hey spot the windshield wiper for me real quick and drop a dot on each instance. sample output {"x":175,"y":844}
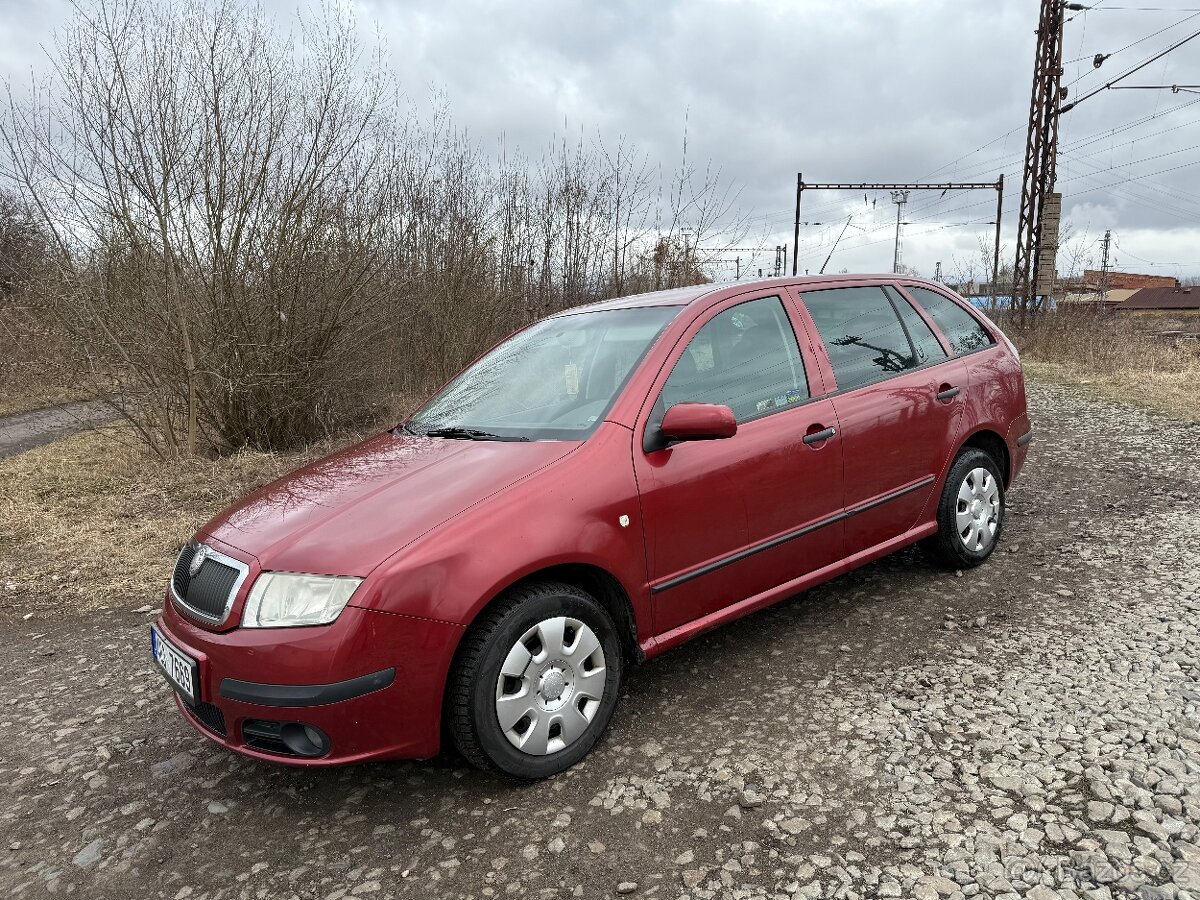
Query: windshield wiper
{"x":469,"y":434}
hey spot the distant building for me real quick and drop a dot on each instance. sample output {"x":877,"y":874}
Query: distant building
{"x":1109,"y":298}
{"x":1092,"y":279}
{"x":1177,"y":298}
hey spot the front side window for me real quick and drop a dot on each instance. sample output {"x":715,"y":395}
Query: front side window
{"x":553,"y":381}
{"x":863,"y":335}
{"x":746,"y":358}
{"x":962,"y":330}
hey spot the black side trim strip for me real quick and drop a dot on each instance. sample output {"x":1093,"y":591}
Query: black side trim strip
{"x":879,"y":501}
{"x":305,"y":694}
{"x":790,"y":536}
{"x":1025,"y":438}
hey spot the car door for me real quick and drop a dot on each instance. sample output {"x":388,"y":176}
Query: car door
{"x":728,"y":519}
{"x":899,"y":402}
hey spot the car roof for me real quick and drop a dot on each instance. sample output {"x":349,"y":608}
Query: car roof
{"x":685,"y":296}
{"x":673,"y":297}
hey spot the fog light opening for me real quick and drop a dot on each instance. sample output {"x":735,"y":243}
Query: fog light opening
{"x":304,"y":740}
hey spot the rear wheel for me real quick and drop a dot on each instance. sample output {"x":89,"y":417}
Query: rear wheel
{"x":536,"y":682}
{"x":970,"y":513}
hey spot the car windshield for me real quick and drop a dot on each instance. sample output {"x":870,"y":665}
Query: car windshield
{"x":553,"y":381}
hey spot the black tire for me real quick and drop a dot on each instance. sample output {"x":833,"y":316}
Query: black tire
{"x":947,"y":548}
{"x":471,"y":697}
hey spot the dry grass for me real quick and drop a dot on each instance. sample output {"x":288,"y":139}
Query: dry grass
{"x":18,"y":398}
{"x":92,"y":522}
{"x":1118,"y":359}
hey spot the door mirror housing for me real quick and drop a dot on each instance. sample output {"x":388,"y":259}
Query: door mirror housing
{"x":697,"y":422}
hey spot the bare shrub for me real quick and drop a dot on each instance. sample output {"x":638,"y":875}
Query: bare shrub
{"x":217,"y":197}
{"x":251,"y":244}
{"x":1096,"y":345}
{"x":488,"y":245}
{"x":32,"y":373}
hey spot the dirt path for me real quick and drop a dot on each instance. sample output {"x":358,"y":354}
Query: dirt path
{"x":1030,"y":728}
{"x":24,"y":431}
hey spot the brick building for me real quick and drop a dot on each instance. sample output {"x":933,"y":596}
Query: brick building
{"x":1127,"y":281}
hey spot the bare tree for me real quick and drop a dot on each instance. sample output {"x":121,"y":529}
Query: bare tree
{"x":217,"y":195}
{"x":249,"y":242}
{"x":23,"y":246}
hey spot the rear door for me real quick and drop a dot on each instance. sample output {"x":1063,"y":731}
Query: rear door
{"x":899,"y":401}
{"x":728,"y":519}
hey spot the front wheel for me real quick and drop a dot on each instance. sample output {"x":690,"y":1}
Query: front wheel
{"x":536,"y":681}
{"x":970,"y":514}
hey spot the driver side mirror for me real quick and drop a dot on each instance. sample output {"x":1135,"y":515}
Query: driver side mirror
{"x":697,"y":422}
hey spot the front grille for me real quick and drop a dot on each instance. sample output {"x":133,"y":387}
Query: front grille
{"x":209,"y":716}
{"x":180,"y":577}
{"x":209,"y":590}
{"x":208,"y":593}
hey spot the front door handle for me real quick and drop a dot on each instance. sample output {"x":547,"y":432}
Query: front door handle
{"x":815,"y":437}
{"x":948,"y":393}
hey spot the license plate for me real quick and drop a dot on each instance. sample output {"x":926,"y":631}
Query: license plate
{"x":181,"y":670}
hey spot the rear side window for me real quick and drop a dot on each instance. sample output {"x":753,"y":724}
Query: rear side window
{"x":862,"y":334}
{"x":961,"y":329}
{"x":746,"y":358}
{"x":924,"y":341}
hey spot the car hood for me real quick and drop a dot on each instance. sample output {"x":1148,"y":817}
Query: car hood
{"x":347,"y":513}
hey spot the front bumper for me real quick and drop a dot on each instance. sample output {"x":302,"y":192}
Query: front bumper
{"x":372,"y":682}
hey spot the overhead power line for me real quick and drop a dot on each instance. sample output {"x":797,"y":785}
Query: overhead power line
{"x":1173,"y":88}
{"x":1140,"y":9}
{"x":1101,"y":57}
{"x":838,"y":207}
{"x":1122,"y":77}
{"x":1004,"y":162}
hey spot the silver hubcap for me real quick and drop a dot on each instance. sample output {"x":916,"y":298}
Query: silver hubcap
{"x":550,"y":686}
{"x":978,"y":512}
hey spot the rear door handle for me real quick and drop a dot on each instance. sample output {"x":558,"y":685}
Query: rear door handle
{"x":817,"y":436}
{"x":948,"y":393}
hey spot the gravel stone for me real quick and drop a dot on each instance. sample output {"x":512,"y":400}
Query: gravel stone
{"x":89,"y":855}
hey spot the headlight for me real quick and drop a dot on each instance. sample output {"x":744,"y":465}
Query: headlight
{"x":281,"y":598}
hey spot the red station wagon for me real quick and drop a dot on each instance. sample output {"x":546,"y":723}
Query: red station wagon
{"x":595,"y":490}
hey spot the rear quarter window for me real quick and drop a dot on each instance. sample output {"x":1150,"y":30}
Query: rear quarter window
{"x":964,"y":332}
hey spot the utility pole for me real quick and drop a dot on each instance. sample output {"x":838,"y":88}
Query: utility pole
{"x":1105,"y":243}
{"x":1033,"y":269}
{"x":796,"y":239}
{"x":937,"y":271}
{"x":899,"y":198}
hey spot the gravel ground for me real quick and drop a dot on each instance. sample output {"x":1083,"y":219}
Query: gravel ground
{"x":1030,"y":728}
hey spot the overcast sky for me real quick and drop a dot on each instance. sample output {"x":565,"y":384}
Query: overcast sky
{"x":842,"y":90}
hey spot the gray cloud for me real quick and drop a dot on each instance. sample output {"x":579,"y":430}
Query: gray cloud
{"x":864,"y":90}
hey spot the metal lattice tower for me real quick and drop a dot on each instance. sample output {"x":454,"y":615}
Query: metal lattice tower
{"x":1041,"y":147}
